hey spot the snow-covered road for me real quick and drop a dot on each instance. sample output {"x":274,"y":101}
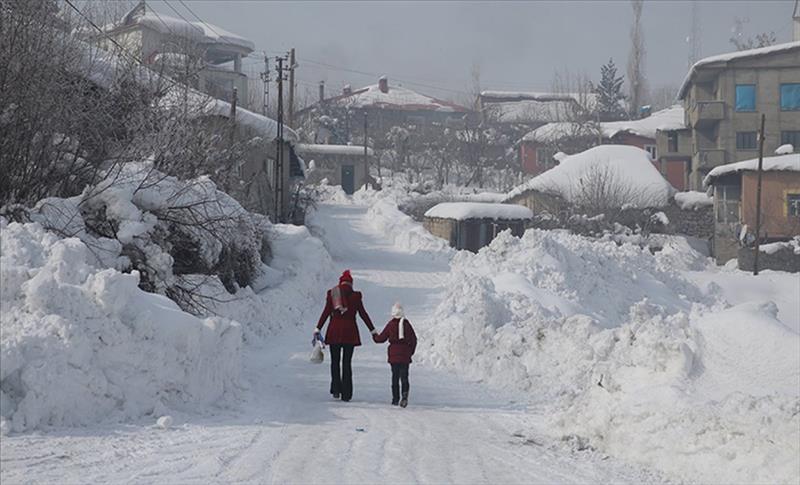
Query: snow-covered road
{"x":287,"y":429}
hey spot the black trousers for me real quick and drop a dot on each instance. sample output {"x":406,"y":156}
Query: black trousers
{"x":399,"y":376}
{"x":342,"y":380}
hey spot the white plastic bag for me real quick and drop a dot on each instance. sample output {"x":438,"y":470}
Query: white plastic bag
{"x":317,"y":355}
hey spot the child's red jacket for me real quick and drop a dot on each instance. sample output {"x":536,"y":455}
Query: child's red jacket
{"x":400,"y":351}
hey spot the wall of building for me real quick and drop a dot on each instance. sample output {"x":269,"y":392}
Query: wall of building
{"x":782,"y":260}
{"x":775,"y":220}
{"x":330,"y":167}
{"x":767,"y":73}
{"x":443,"y":228}
{"x":539,"y":202}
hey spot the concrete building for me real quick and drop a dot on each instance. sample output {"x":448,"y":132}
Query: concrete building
{"x":343,"y":165}
{"x":724,"y":97}
{"x":473,"y":225}
{"x":735,"y":187}
{"x":202,"y":55}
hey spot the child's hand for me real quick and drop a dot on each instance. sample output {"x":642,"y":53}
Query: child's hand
{"x":375,"y":338}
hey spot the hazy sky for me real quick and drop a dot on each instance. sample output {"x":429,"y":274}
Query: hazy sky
{"x":518,"y":45}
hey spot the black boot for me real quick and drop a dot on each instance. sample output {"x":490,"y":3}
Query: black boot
{"x":404,"y":401}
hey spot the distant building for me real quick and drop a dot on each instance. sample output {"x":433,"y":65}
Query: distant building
{"x":796,"y":19}
{"x":537,"y":147}
{"x":734,"y":188}
{"x":343,"y":165}
{"x":340,"y":119}
{"x":202,"y":55}
{"x":724,"y":97}
{"x":473,"y":225}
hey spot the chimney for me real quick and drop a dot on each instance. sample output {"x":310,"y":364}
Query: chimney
{"x":321,"y":91}
{"x":383,"y":84}
{"x":347,"y":90}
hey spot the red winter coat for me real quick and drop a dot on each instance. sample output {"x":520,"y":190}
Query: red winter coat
{"x":342,"y":329}
{"x":400,"y":351}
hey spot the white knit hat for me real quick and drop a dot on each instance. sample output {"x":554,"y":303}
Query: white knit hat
{"x":397,"y":310}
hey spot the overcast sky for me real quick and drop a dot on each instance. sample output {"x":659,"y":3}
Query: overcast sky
{"x":518,"y":45}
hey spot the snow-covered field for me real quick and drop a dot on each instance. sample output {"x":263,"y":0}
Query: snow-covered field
{"x":547,"y":359}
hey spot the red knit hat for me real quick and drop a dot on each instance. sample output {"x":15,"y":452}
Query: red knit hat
{"x":346,"y":277}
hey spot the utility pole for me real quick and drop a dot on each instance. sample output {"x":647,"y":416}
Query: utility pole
{"x":233,"y":115}
{"x":758,"y":194}
{"x":265,"y":79}
{"x":292,"y":65}
{"x":366,"y":156}
{"x":279,"y":162}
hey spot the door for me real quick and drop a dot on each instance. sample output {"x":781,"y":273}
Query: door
{"x":348,"y":179}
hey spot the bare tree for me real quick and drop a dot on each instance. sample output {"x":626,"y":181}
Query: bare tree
{"x":742,"y":42}
{"x":636,"y":57}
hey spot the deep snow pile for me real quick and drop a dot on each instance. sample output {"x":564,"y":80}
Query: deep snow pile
{"x":626,"y":354}
{"x":81,"y":343}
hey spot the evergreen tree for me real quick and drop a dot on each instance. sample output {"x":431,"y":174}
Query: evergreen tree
{"x":609,"y":93}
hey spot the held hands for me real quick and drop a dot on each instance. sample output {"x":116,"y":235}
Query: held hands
{"x":375,"y":335}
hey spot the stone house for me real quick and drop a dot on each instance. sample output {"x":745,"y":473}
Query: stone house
{"x":734,"y":187}
{"x":473,"y":225}
{"x":724,"y":97}
{"x":343,"y":165}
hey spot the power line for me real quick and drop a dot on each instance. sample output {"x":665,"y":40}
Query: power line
{"x":105,"y":34}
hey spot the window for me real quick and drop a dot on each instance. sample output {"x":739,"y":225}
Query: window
{"x":793,"y":204}
{"x":672,"y":142}
{"x":746,"y":140}
{"x":791,"y":137}
{"x":651,"y":149}
{"x":544,"y":157}
{"x":727,"y":203}
{"x":745,"y":97}
{"x":790,"y":97}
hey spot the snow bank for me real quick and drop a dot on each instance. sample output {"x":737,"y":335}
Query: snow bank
{"x":772,"y":248}
{"x":790,"y":162}
{"x":626,"y":354}
{"x":478,"y":210}
{"x":81,"y":343}
{"x":692,"y":200}
{"x":611,"y":169}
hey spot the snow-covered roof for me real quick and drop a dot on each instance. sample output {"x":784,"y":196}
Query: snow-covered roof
{"x":200,"y":32}
{"x":789,"y":163}
{"x":733,"y":56}
{"x":671,"y":118}
{"x":530,"y":111}
{"x":693,"y":200}
{"x":353,"y":150}
{"x":397,"y":97}
{"x":508,"y":96}
{"x":629,"y":166}
{"x":460,"y":211}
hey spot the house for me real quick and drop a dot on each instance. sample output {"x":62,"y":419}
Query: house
{"x":724,"y":97}
{"x":734,"y":187}
{"x":200,"y":54}
{"x":473,"y":225}
{"x":601,"y":178}
{"x":537,"y":147}
{"x":340,"y":119}
{"x":344,"y":165}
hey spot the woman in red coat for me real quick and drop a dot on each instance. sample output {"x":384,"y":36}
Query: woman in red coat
{"x":402,"y":344}
{"x":341,"y":305}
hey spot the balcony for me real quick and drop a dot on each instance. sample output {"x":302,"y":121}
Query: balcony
{"x":709,"y":158}
{"x":705,"y":113}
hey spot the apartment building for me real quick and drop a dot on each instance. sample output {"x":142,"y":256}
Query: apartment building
{"x":724,"y":97}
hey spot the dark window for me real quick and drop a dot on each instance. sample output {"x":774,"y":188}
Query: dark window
{"x":651,"y":149}
{"x":745,"y":97}
{"x":746,"y":140}
{"x":672,"y":142}
{"x":790,"y":97}
{"x":793,"y":202}
{"x":791,"y":137}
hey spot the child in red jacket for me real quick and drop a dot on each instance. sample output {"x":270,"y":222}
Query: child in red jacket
{"x":402,"y":343}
